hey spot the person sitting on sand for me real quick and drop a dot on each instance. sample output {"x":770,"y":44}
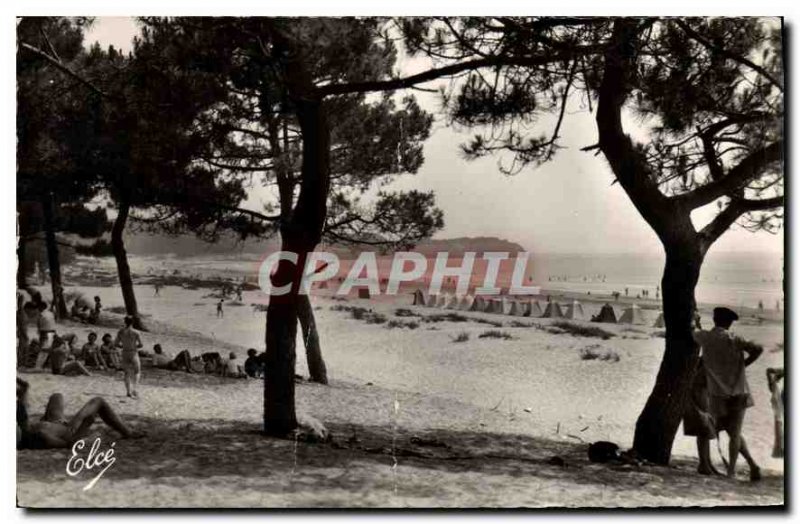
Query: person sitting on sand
{"x":253,"y":365}
{"x":213,"y":362}
{"x":129,"y":340}
{"x":54,"y":430}
{"x":110,"y":353}
{"x":62,"y":362}
{"x":71,"y":340}
{"x":91,"y":353}
{"x":724,"y":362}
{"x":231,"y":368}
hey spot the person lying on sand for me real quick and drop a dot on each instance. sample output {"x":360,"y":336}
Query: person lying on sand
{"x":724,"y":362}
{"x":54,"y":430}
{"x":183,"y":361}
{"x":91,"y":353}
{"x":129,"y":340}
{"x":64,"y":363}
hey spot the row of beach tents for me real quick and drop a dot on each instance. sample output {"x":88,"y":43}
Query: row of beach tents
{"x":572,"y":310}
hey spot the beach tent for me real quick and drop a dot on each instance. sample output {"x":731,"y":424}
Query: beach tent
{"x":466,"y":303}
{"x":441,"y":300}
{"x":553,"y":310}
{"x":606,"y":315}
{"x":632,"y":315}
{"x":363,"y":292}
{"x":478,"y":304}
{"x":452,"y":302}
{"x":495,"y":305}
{"x":505,"y":306}
{"x":431,"y":300}
{"x":535,"y":309}
{"x":574,"y":311}
{"x":517,"y":308}
{"x":419,"y":298}
{"x":659,"y":323}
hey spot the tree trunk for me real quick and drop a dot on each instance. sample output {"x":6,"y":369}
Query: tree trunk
{"x":300,"y":234}
{"x":316,"y":365}
{"x":662,"y":414}
{"x":286,"y":185}
{"x":53,"y":262}
{"x":22,"y":282}
{"x":123,"y":269}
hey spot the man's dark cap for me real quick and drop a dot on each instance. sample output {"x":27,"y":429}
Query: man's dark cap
{"x":725,"y":314}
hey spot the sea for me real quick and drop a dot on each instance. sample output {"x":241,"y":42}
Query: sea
{"x":733,"y":279}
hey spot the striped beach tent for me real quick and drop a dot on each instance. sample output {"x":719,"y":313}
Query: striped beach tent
{"x":553,"y":310}
{"x":465,"y":304}
{"x":431,"y":300}
{"x":517,"y":308}
{"x":441,"y":300}
{"x":535,"y":309}
{"x":632,"y":314}
{"x":574,"y":311}
{"x":452,"y":302}
{"x":478,"y":304}
{"x":419,"y":298}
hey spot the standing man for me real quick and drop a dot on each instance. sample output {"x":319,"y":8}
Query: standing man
{"x":220,"y":313}
{"x":130,"y":342}
{"x":724,"y":362}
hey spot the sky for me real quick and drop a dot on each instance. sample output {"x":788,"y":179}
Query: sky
{"x":568,"y":205}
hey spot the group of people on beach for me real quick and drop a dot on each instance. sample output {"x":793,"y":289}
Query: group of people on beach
{"x":62,"y":354}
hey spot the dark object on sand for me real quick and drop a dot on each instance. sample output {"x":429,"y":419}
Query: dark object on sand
{"x":603,"y":451}
{"x":557,"y":460}
{"x":606,"y":314}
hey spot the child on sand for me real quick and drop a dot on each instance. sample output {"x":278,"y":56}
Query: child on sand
{"x":129,"y":340}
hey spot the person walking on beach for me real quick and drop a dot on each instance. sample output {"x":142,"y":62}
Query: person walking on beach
{"x":724,"y":362}
{"x":130,"y":342}
{"x":220,"y":313}
{"x":157,"y":289}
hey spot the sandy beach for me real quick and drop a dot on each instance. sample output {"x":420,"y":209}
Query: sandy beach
{"x":418,"y":419}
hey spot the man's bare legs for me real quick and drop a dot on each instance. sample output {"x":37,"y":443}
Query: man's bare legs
{"x":704,"y":454}
{"x":131,"y":381}
{"x":82,"y":421}
{"x":737,"y":445}
{"x":54,"y":412}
